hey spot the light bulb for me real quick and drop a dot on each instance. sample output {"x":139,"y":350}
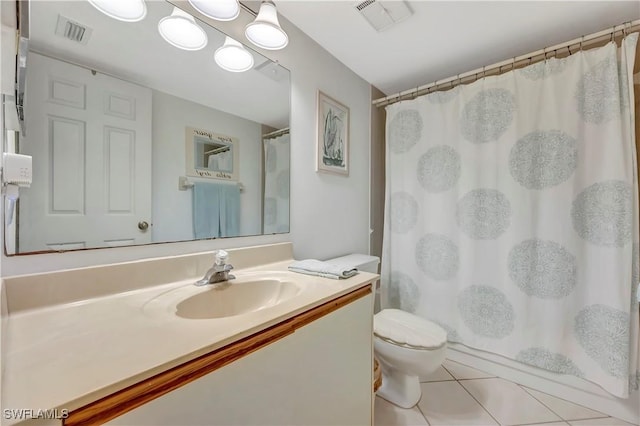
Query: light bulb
{"x":265,"y":30}
{"x":221,"y":10}
{"x":232,"y":56}
{"x":122,"y":10}
{"x":180,"y":30}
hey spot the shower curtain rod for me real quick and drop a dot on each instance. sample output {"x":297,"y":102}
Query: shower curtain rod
{"x":626,"y":28}
{"x":276,"y":133}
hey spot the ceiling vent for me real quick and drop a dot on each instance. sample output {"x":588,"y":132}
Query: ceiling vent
{"x":272,"y":70}
{"x":381,"y":15}
{"x":72,"y":30}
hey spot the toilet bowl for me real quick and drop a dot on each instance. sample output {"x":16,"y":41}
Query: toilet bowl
{"x":408,"y":347}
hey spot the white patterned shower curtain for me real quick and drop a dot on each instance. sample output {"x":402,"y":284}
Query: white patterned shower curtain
{"x":276,"y":185}
{"x":511,"y":215}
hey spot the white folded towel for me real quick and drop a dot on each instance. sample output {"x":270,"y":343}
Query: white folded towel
{"x":322,"y":269}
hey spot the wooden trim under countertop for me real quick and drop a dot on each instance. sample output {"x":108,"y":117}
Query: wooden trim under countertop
{"x":120,"y":402}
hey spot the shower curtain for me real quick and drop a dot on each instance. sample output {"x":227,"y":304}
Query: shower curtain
{"x":276,"y":185}
{"x":511,"y":215}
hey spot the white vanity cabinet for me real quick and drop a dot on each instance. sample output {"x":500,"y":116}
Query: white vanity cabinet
{"x":320,"y":374}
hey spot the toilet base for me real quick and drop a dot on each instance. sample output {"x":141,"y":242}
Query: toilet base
{"x":399,"y":388}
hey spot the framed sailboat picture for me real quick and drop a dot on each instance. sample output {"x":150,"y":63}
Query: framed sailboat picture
{"x":333,"y":136}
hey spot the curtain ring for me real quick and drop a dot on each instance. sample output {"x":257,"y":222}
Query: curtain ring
{"x":581,"y":41}
{"x":569,"y":49}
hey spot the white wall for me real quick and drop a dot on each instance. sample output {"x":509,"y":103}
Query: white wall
{"x":172,"y":209}
{"x":7,"y":64}
{"x":7,"y":47}
{"x":329,"y":213}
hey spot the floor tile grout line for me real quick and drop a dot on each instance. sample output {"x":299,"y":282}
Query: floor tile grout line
{"x":449,"y":372}
{"x":420,"y":410}
{"x":479,"y":378}
{"x":479,"y":403}
{"x":543,"y":404}
{"x":524,"y":388}
{"x":439,"y":381}
{"x":466,"y":366}
{"x":543,"y":423}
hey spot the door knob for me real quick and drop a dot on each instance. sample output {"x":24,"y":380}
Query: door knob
{"x":143,"y":226}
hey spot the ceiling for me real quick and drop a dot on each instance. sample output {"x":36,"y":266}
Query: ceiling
{"x":137,"y":53}
{"x":445,"y":38}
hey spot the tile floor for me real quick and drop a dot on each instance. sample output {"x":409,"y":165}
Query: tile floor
{"x":461,"y":395}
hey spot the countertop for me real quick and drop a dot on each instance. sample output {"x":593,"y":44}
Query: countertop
{"x":66,"y":356}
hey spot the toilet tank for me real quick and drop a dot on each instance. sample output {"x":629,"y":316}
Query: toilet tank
{"x":363,"y":262}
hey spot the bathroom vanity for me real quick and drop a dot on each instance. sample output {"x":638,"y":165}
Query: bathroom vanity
{"x":138,"y":343}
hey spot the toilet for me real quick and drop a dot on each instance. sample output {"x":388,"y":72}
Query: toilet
{"x":407,"y":346}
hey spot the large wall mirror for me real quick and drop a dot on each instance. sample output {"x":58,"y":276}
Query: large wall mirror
{"x":135,"y":141}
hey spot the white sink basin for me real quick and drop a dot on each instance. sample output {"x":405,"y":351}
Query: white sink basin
{"x":236,"y":298}
{"x":247,"y":293}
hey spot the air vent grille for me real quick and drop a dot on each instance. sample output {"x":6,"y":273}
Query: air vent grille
{"x":272,"y":70}
{"x":364,"y":4}
{"x":383,"y":14}
{"x":72,"y":30}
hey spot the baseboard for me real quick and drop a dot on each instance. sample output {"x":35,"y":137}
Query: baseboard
{"x":569,"y":388}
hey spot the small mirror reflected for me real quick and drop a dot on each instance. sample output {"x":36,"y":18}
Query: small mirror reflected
{"x":214,"y":157}
{"x":210,"y":155}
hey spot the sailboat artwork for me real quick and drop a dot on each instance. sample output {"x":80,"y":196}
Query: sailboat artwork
{"x":333,"y":135}
{"x":333,"y":143}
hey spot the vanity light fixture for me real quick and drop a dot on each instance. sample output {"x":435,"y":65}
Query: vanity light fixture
{"x":127,"y":11}
{"x":265,"y":30}
{"x":221,"y":10}
{"x":180,"y":30}
{"x":232,"y":56}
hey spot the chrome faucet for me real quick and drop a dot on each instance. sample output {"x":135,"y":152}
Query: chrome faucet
{"x":219,"y":272}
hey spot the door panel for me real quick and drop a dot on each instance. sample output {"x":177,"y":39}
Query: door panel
{"x":90,"y":138}
{"x":119,"y":157}
{"x":67,"y":147}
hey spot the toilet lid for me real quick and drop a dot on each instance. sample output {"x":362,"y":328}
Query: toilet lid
{"x":405,"y":329}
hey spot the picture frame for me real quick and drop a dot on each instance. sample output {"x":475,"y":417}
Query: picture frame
{"x":211,"y":155}
{"x":332,"y":141}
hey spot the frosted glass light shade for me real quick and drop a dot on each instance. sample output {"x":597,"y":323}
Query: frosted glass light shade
{"x":232,"y":56}
{"x":180,"y":30}
{"x":122,"y":10}
{"x":265,"y":31}
{"x":221,"y":10}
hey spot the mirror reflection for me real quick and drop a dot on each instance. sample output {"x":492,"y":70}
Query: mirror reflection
{"x":136,"y":141}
